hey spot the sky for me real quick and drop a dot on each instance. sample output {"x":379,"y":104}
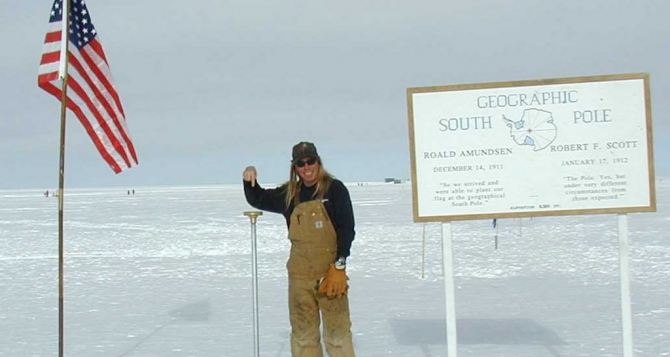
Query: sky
{"x":217,"y":85}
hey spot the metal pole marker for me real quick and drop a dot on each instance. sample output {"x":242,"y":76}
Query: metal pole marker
{"x":253,"y":215}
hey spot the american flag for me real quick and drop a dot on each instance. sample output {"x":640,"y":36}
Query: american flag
{"x":91,"y":95}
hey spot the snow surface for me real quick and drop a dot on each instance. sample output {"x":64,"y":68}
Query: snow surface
{"x":167,"y":272}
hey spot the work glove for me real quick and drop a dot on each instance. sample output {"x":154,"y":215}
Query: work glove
{"x":334,"y":284}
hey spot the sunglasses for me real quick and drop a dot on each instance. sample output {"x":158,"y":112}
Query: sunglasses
{"x":310,"y":161}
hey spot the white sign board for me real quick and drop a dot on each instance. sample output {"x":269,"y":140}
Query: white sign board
{"x":532,"y":148}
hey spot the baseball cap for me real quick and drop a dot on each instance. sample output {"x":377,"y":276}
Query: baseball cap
{"x":304,"y":149}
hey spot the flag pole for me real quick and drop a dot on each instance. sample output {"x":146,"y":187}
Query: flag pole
{"x":64,"y":58}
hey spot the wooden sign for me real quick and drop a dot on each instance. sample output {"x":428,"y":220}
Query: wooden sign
{"x":532,"y":148}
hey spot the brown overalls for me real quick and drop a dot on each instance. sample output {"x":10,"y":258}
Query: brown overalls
{"x":313,"y":249}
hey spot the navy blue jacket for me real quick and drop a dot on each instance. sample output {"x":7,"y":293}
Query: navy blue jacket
{"x":336,"y":201}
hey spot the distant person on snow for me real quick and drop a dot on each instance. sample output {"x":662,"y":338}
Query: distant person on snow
{"x":320,"y":219}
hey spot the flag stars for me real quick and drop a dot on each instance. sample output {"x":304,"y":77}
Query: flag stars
{"x":81,"y":28}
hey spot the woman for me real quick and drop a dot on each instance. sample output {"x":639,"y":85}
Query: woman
{"x":320,"y":219}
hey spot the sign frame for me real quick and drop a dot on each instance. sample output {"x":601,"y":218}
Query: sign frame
{"x":413,"y":137}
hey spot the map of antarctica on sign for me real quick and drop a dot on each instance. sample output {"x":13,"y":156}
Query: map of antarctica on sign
{"x":535,"y":128}
{"x":530,"y":148}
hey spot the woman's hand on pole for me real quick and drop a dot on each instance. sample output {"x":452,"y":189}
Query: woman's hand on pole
{"x":249,"y":175}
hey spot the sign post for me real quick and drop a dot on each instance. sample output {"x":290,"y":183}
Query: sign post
{"x":566,"y":146}
{"x":624,"y":273}
{"x":449,"y":290}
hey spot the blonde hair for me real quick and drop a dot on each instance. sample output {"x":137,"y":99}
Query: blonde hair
{"x":323,"y":179}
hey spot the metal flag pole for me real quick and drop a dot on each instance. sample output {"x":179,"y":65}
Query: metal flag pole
{"x":253,"y":215}
{"x":63,"y":66}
